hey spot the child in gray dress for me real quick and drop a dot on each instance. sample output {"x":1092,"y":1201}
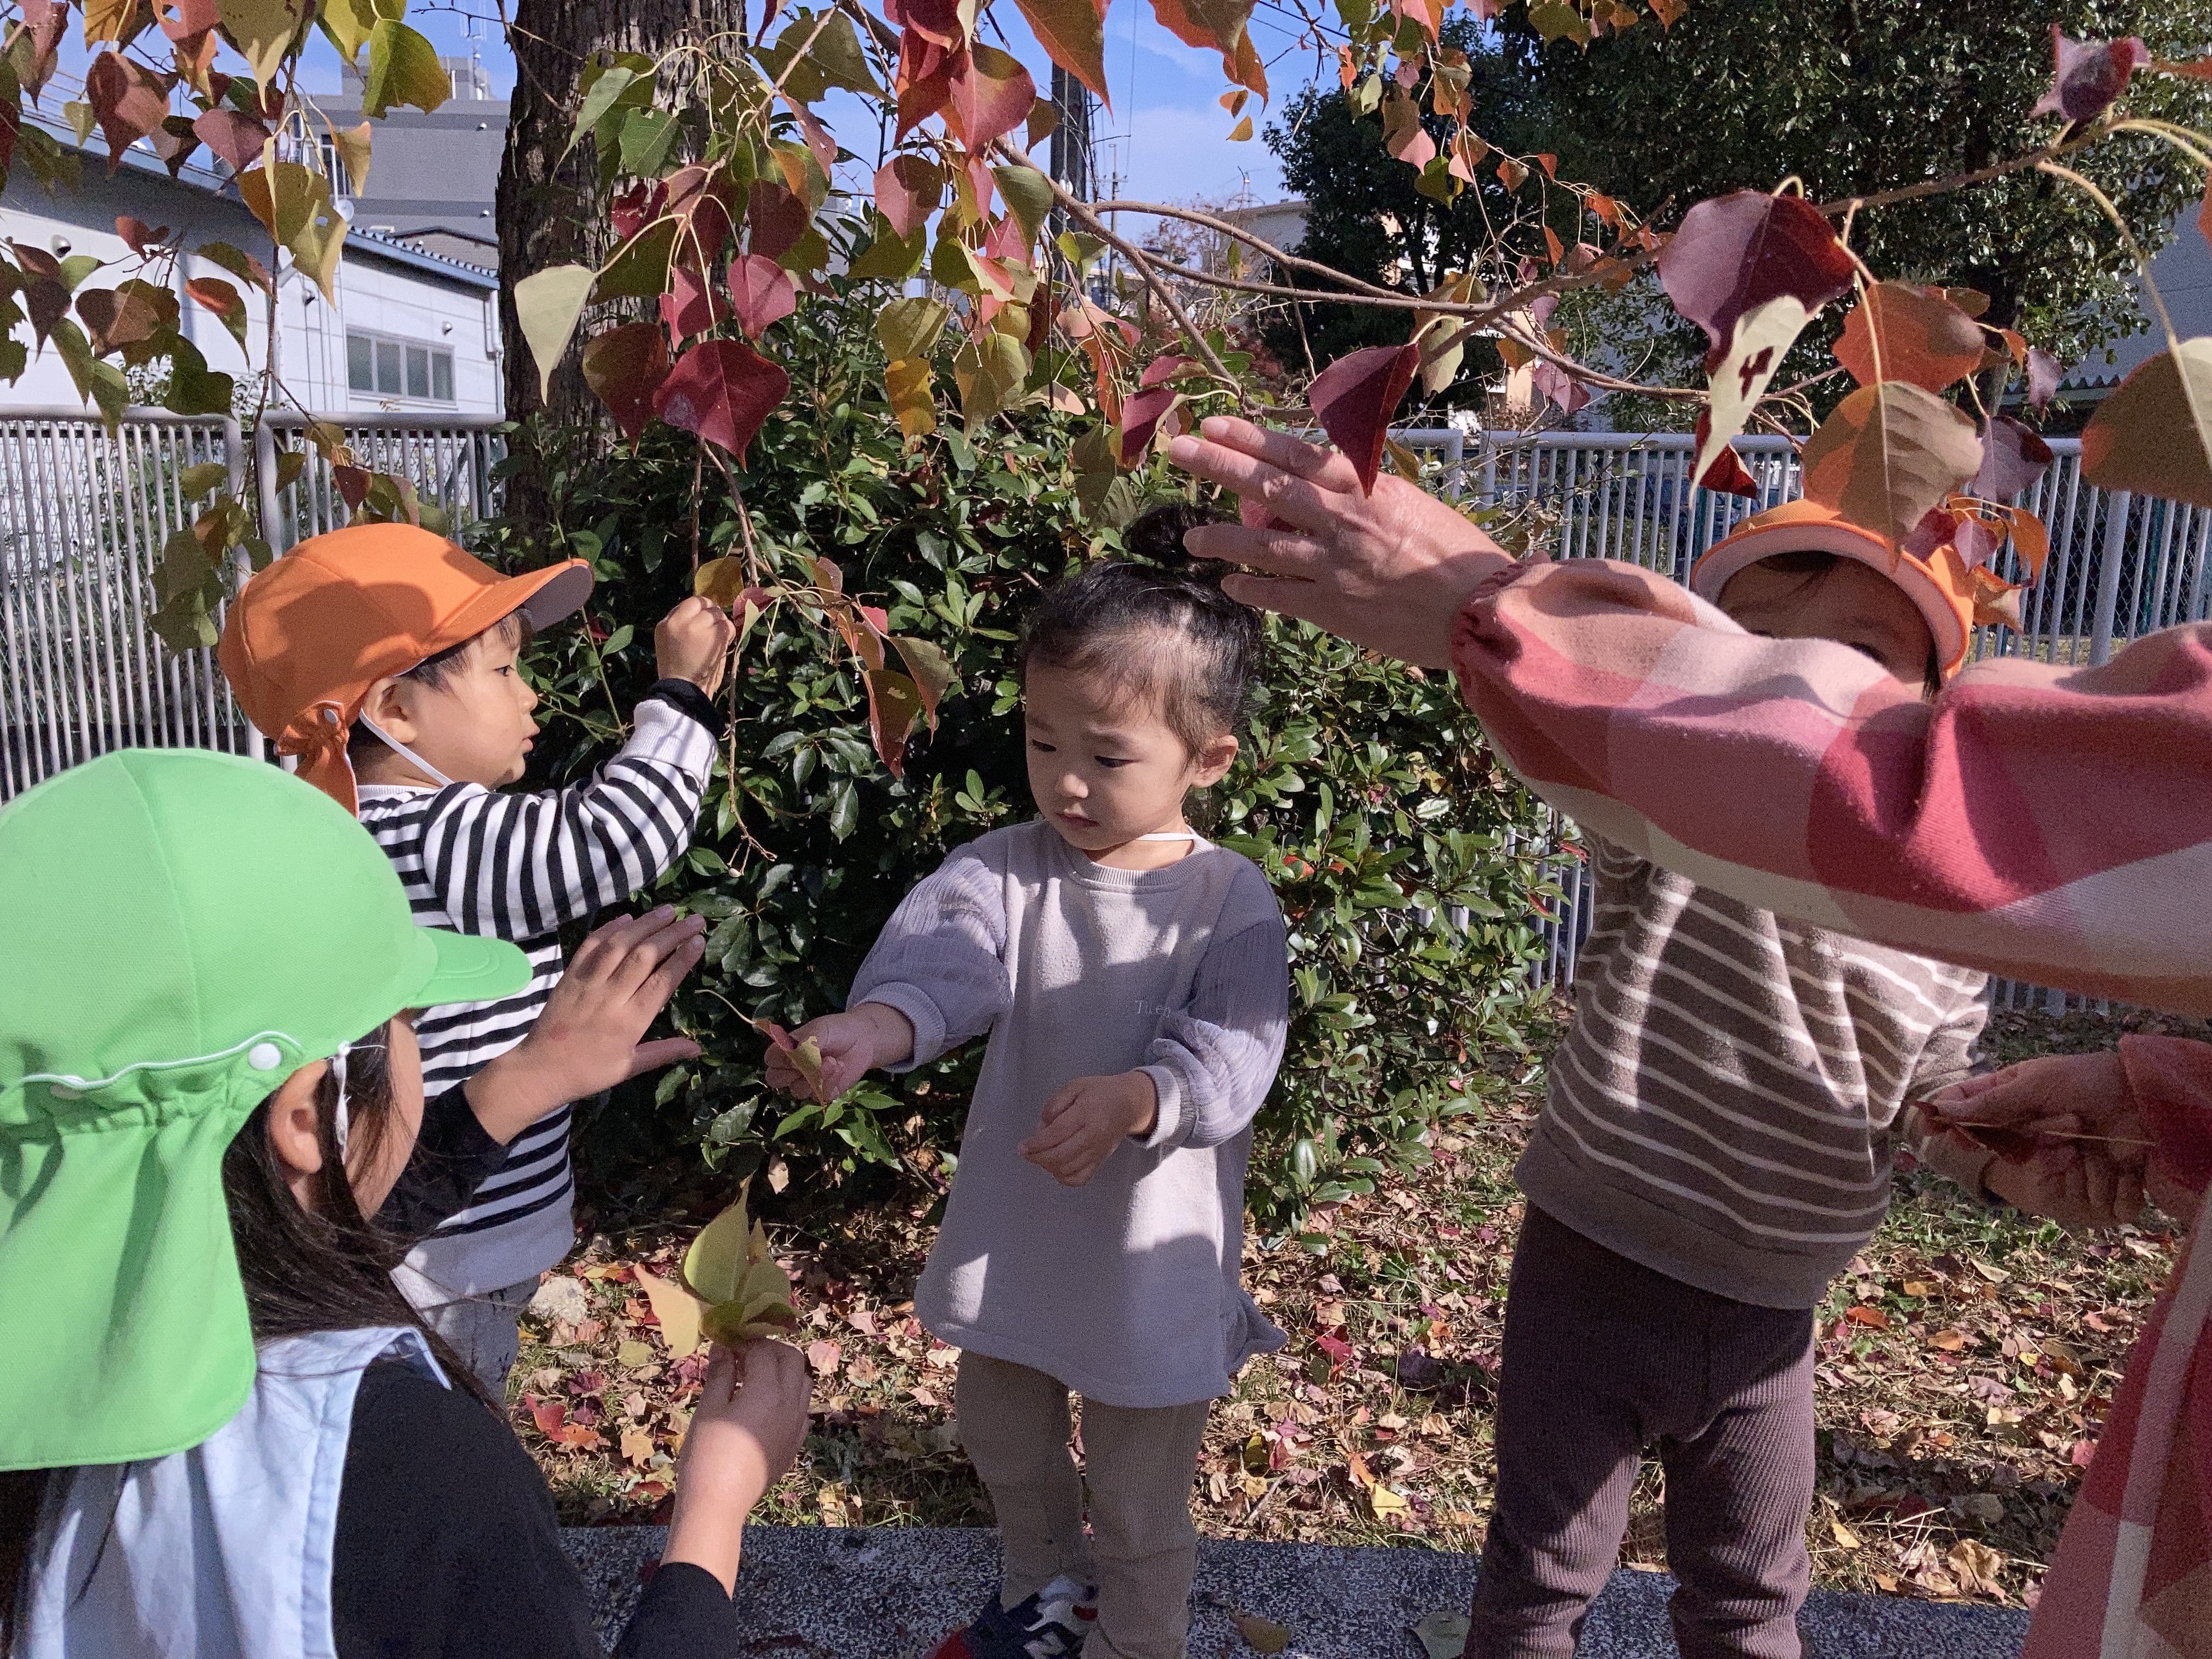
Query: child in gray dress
{"x":1132,"y":979}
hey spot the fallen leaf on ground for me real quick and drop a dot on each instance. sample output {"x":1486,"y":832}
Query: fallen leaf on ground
{"x":1262,"y":1635}
{"x":1442,"y":1634}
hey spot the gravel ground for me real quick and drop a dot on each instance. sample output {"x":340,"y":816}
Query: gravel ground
{"x":890,"y":1593}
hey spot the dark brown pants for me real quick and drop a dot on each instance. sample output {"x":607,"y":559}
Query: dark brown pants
{"x":1604,"y":1358}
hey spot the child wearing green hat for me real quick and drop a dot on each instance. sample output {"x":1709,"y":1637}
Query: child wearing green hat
{"x":385,"y":659}
{"x":224,"y":1432}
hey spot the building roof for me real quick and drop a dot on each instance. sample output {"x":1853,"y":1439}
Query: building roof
{"x":140,"y":160}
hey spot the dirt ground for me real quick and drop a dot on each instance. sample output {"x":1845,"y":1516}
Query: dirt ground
{"x":1966,"y":1359}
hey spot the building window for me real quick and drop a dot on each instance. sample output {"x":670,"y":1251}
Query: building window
{"x":396,"y":368}
{"x":334,"y":167}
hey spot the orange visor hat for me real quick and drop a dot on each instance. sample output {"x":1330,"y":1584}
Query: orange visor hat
{"x":308,"y":636}
{"x":1940,"y":585}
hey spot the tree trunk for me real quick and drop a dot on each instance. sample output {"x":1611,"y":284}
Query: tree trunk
{"x":548,"y":208}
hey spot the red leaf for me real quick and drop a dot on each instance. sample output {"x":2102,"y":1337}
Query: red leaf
{"x":991,"y":96}
{"x":894,"y":710}
{"x":549,"y":1415}
{"x":625,"y":366}
{"x":236,"y":138}
{"x":908,"y":190}
{"x":2013,"y":459}
{"x":1223,"y":26}
{"x":635,"y":206}
{"x":353,"y":483}
{"x":1161,"y":370}
{"x":706,"y":210}
{"x":926,"y":69}
{"x":2044,"y":373}
{"x":692,"y":304}
{"x":760,"y":292}
{"x":135,"y":235}
{"x":127,"y":100}
{"x":722,"y":390}
{"x":45,"y":22}
{"x":935,"y":20}
{"x":1875,"y":1318}
{"x":2088,"y":75}
{"x":213,"y":294}
{"x":816,"y":135}
{"x":1725,"y":471}
{"x":1341,"y":1353}
{"x":181,"y":20}
{"x":1742,"y":250}
{"x":1353,"y":399}
{"x":776,"y":218}
{"x":1141,"y":415}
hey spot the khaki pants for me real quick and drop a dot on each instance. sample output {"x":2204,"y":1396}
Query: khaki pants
{"x":1140,"y":1464}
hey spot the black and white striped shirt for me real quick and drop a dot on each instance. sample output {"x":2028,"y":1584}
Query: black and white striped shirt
{"x":516,"y":867}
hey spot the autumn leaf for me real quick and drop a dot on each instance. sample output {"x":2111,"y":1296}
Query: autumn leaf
{"x":2153,"y":433}
{"x":675,"y":1310}
{"x":930,"y":670}
{"x":2088,"y":75}
{"x":128,"y":99}
{"x":731,"y":1268}
{"x":989,"y":369}
{"x":1074,"y":36}
{"x":908,"y":384}
{"x":991,"y":96}
{"x":1353,"y":399}
{"x":237,"y":139}
{"x":1888,"y":453}
{"x":1737,"y":251}
{"x":806,"y":1056}
{"x":2013,"y":459}
{"x":909,"y":189}
{"x":547,"y":304}
{"x":294,"y":203}
{"x":1900,"y":332}
{"x":775,"y":219}
{"x":1142,"y":411}
{"x":122,"y":316}
{"x":1029,"y":195}
{"x":722,"y":390}
{"x":692,"y":304}
{"x":624,"y":367}
{"x":823,"y":1357}
{"x":2044,"y":373}
{"x":238,"y":263}
{"x":1262,"y":1635}
{"x":1763,"y":337}
{"x":403,"y":69}
{"x":761,"y":293}
{"x":264,"y":32}
{"x":1222,"y":25}
{"x":894,"y":710}
{"x":1403,"y":135}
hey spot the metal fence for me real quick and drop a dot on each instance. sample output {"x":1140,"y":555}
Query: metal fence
{"x":84,"y":512}
{"x":2120,"y":566}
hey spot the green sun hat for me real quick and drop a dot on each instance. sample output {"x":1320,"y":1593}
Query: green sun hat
{"x":181,"y":931}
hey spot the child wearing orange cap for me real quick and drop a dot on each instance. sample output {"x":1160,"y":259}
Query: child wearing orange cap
{"x":385,"y":659}
{"x":1716,"y":1146}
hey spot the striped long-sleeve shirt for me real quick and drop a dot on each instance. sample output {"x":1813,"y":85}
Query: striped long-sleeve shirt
{"x":516,"y":867}
{"x":1723,"y":1109}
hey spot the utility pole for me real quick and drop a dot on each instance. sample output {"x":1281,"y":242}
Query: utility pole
{"x":1071,"y":139}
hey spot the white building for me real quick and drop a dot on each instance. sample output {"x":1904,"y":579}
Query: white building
{"x":412,"y":331}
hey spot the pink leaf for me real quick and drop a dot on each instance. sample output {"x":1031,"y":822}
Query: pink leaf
{"x":1561,"y":387}
{"x":635,"y":206}
{"x":2044,"y":373}
{"x":691,"y":306}
{"x":1739,"y":251}
{"x":136,"y":234}
{"x":991,"y":96}
{"x":2013,"y":459}
{"x":126,"y":99}
{"x":1161,"y":370}
{"x":1976,"y":543}
{"x":2088,"y":75}
{"x":236,"y":138}
{"x":1353,"y":399}
{"x":722,"y":390}
{"x":908,"y":191}
{"x":760,"y":292}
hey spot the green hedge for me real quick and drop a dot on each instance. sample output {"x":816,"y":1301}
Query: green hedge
{"x":1363,"y":789}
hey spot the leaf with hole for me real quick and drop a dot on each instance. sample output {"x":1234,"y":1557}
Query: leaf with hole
{"x":1354,"y":398}
{"x":1764,"y":335}
{"x":2153,"y":433}
{"x":1901,"y":331}
{"x":1737,"y":251}
{"x":1888,"y":453}
{"x":722,"y":391}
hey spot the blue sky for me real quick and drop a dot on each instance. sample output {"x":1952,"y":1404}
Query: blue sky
{"x":1166,"y":132}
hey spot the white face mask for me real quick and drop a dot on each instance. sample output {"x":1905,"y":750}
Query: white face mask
{"x":404,"y":752}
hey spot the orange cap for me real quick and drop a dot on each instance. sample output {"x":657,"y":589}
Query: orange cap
{"x":307,"y":636}
{"x":1941,"y":584}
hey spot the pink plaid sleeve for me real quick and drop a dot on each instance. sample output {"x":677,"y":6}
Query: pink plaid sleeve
{"x":2049,"y":825}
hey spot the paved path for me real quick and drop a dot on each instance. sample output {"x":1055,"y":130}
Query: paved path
{"x":816,"y":1592}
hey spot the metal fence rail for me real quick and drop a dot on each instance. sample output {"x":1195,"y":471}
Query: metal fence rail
{"x":2120,"y":566}
{"x":83,"y":515}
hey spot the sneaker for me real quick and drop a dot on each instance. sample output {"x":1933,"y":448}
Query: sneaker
{"x":1046,"y":1625}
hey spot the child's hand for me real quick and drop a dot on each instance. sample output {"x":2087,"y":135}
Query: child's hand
{"x":852,"y":1045}
{"x":746,"y":1434}
{"x":1086,"y":1120}
{"x":692,"y":643}
{"x":589,"y":1035}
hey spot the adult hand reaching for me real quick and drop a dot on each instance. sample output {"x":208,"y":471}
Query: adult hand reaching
{"x":1390,"y":571}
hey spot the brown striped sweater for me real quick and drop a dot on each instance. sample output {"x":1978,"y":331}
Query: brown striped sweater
{"x":1723,"y":1107}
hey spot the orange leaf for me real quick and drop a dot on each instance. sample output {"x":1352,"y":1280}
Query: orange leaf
{"x":1862,"y":1314}
{"x":1902,"y":332}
